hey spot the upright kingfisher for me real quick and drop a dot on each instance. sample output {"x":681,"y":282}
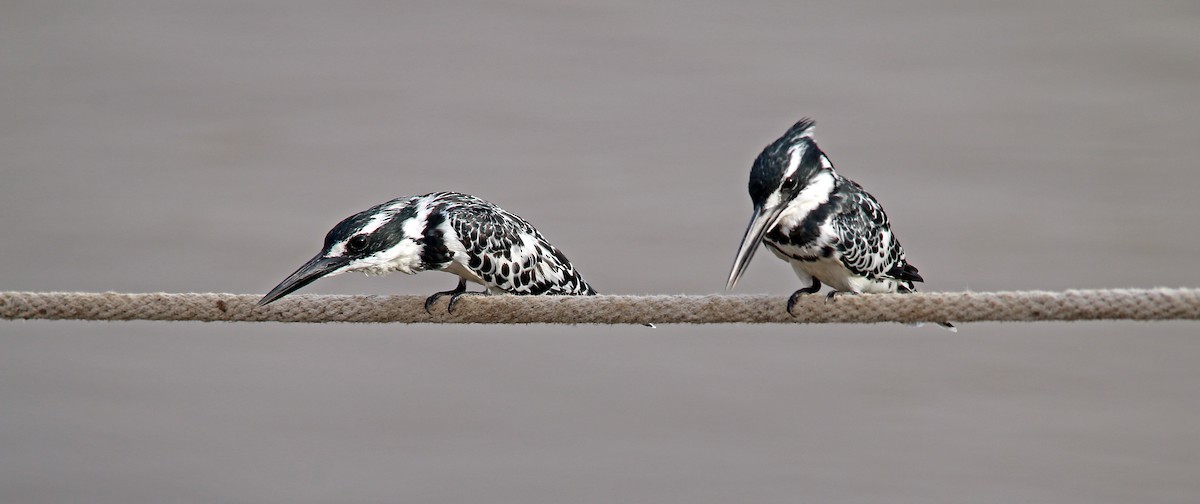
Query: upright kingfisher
{"x":825,"y":225}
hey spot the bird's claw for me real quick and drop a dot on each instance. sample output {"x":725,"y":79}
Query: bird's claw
{"x":834,"y":294}
{"x":791,"y":303}
{"x":454,"y":293}
{"x":458,"y":295}
{"x":436,"y":296}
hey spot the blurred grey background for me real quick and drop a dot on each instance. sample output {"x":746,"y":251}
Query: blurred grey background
{"x":208,"y":146}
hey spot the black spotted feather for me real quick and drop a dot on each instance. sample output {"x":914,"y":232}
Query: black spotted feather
{"x":507,"y":252}
{"x":865,"y":240}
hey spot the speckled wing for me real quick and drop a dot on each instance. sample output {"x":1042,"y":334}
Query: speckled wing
{"x":866,"y":242}
{"x":508,"y":253}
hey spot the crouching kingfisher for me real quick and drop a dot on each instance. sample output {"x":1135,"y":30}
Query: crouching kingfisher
{"x":825,"y":225}
{"x":444,"y":231}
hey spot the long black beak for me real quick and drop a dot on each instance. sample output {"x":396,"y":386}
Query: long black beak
{"x":315,"y":268}
{"x":759,"y":224}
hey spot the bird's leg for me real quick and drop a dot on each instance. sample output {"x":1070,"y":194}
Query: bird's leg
{"x":462,"y":287}
{"x":811,"y":289}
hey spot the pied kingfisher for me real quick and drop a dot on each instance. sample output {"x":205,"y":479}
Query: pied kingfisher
{"x":825,"y":225}
{"x":446,"y":231}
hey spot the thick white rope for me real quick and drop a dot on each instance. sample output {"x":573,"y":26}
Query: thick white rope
{"x":1026,"y":306}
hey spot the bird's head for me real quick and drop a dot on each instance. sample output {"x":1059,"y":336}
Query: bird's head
{"x":376,"y":241}
{"x":779,"y":173}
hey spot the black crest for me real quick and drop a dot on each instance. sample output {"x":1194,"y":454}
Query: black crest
{"x":769,"y":167}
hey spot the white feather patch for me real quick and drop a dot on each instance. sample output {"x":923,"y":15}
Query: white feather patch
{"x":815,"y":193}
{"x":795,"y":155}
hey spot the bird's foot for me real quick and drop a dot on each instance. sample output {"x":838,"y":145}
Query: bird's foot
{"x":432,"y":299}
{"x":791,"y":302}
{"x":834,"y":294}
{"x":459,"y":295}
{"x":454,"y":293}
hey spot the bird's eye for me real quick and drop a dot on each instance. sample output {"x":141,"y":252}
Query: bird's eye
{"x":789,"y":183}
{"x":357,"y":243}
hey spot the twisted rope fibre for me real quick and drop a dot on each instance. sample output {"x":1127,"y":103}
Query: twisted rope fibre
{"x":1027,"y":306}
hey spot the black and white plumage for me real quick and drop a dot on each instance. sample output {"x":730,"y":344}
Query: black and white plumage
{"x":444,"y":231}
{"x":825,"y":225}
